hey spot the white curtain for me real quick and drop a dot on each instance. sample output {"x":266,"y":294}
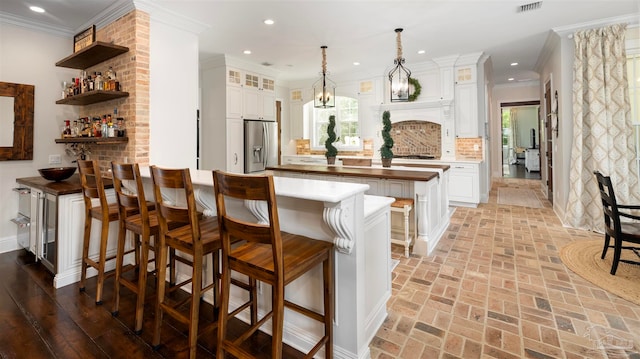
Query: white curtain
{"x":602,"y":129}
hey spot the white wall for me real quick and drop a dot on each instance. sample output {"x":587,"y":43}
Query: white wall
{"x":173,"y":96}
{"x":29,"y":57}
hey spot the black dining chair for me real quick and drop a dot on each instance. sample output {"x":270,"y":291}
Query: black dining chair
{"x":624,"y":232}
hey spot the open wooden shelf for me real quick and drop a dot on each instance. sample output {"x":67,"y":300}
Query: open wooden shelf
{"x":96,"y":140}
{"x":90,"y":97}
{"x":92,"y":55}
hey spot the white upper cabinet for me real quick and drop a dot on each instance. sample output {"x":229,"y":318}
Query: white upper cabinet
{"x":258,"y":97}
{"x":466,"y":101}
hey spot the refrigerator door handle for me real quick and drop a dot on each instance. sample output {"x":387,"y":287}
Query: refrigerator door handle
{"x":267,"y":145}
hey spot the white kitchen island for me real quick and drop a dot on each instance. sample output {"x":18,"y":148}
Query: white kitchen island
{"x":358,"y":225}
{"x":428,"y":186}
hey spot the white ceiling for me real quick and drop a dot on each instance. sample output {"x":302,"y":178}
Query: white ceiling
{"x":354,"y":30}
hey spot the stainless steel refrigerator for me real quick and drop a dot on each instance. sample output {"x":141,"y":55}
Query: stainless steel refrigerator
{"x":260,"y":145}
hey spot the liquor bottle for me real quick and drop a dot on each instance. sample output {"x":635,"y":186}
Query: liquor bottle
{"x":66,"y":133}
{"x":121,"y":129}
{"x":110,"y":79}
{"x":98,"y":82}
{"x":90,"y":83}
{"x":75,"y":130}
{"x":110,"y":129}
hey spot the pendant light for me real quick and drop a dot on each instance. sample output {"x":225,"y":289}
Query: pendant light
{"x":399,"y":76}
{"x":324,"y":90}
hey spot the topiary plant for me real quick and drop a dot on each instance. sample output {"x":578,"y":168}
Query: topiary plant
{"x":332,"y":151}
{"x":387,"y":144}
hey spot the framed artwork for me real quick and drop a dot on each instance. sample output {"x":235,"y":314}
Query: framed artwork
{"x":84,"y":38}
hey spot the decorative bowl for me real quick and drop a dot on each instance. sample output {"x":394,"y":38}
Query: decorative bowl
{"x":57,"y":173}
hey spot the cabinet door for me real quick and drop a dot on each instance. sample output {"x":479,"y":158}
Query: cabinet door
{"x":466,"y":113}
{"x":251,"y":103}
{"x":235,"y":146}
{"x":267,"y":108}
{"x":234,"y":102}
{"x":234,"y":77}
{"x":464,"y":183}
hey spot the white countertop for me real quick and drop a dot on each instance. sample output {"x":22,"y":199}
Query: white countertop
{"x":315,"y":190}
{"x":395,"y":160}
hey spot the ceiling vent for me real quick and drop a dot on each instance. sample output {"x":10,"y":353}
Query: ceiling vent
{"x":530,"y":7}
{"x":267,"y":64}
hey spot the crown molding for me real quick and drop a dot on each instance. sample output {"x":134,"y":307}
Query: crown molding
{"x":631,"y":19}
{"x":170,"y":18}
{"x":108,"y":15}
{"x":35,"y":25}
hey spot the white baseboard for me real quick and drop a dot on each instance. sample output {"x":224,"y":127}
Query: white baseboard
{"x":9,"y":244}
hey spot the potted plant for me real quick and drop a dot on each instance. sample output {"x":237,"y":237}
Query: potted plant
{"x":332,"y":151}
{"x":387,"y":142}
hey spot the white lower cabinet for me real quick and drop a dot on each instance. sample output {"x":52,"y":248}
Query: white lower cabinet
{"x":70,"y":238}
{"x":464,"y":184}
{"x":235,"y":145}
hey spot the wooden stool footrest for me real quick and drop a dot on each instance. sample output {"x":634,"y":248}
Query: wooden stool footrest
{"x":309,"y":313}
{"x":253,"y":329}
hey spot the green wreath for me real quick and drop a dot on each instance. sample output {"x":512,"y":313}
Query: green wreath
{"x":416,"y":89}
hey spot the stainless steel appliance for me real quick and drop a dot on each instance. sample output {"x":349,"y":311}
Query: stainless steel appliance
{"x":37,"y":224}
{"x":46,"y":212}
{"x":260,"y":145}
{"x":23,"y":219}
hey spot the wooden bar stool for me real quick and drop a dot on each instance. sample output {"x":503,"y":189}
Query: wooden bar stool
{"x":270,"y":256}
{"x":143,"y":223}
{"x":404,"y":206}
{"x":93,"y":188}
{"x":197,"y":236}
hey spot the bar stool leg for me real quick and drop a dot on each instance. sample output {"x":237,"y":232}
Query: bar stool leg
{"x":277,"y":321}
{"x":142,"y":281}
{"x":161,"y":270}
{"x":101,"y":260}
{"x":327,"y":274}
{"x":196,"y":289}
{"x":85,"y":250}
{"x":119,"y":259}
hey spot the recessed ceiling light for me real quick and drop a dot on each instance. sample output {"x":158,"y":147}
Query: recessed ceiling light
{"x":421,"y":52}
{"x":269,"y":22}
{"x":356,"y":63}
{"x":36,"y":9}
{"x":247,"y":52}
{"x":514,"y":64}
{"x":510,"y":79}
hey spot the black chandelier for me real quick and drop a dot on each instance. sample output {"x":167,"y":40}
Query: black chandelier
{"x":324,"y":90}
{"x":399,"y":76}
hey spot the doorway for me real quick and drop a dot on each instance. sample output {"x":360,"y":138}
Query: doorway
{"x":520,"y":140}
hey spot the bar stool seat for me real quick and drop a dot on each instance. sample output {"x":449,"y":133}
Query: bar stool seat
{"x":404,"y":206}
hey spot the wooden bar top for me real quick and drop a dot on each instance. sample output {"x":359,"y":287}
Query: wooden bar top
{"x":69,"y":186}
{"x":375,"y":172}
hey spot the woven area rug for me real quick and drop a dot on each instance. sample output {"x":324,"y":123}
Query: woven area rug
{"x":583,"y":258}
{"x":518,"y":197}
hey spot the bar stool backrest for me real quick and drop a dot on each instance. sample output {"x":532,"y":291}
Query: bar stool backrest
{"x":182,"y":207}
{"x":252,"y":188}
{"x":129,"y":200}
{"x":92,"y":185}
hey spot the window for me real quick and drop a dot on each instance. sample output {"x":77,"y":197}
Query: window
{"x":347,"y":126}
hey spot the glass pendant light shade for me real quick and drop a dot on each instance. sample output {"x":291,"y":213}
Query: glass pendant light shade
{"x":399,"y":76}
{"x":324,"y":90}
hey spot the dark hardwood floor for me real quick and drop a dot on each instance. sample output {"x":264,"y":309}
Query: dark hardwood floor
{"x":38,"y":321}
{"x":519,"y":171}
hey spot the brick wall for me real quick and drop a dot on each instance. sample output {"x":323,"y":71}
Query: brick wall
{"x":416,"y":138}
{"x":469,"y":148}
{"x":132,"y":70}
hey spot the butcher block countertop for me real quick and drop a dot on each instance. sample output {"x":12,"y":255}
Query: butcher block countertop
{"x":376,"y":172}
{"x":68,"y":186}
